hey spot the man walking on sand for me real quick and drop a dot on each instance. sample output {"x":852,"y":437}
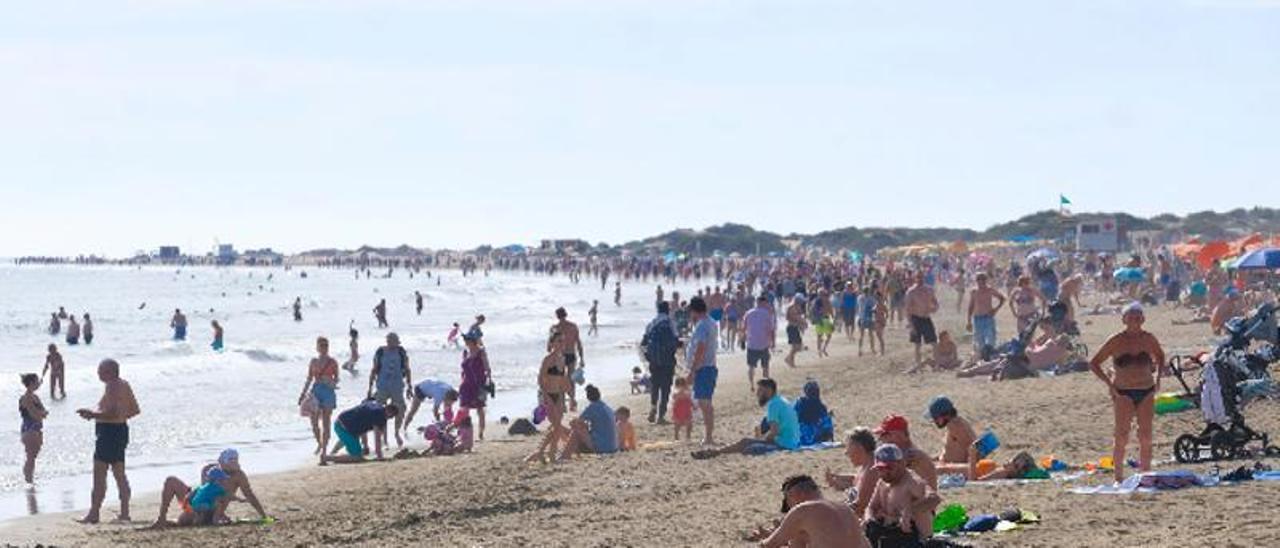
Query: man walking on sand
{"x":921,"y":303}
{"x":392,"y":374}
{"x":702,"y":364}
{"x":760,"y":326}
{"x":984,"y":303}
{"x":795,"y":324}
{"x":111,"y":429}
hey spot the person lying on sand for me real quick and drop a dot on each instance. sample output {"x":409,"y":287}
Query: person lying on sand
{"x":811,"y":520}
{"x":352,"y":424}
{"x":1042,"y":354}
{"x":206,"y":504}
{"x":783,"y":430}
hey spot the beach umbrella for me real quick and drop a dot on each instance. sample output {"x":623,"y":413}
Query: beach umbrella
{"x":1259,"y":258}
{"x":1046,"y":253}
{"x":1211,"y":252}
{"x":1129,"y":274}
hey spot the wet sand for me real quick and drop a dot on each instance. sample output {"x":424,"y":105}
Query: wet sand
{"x":659,"y":496}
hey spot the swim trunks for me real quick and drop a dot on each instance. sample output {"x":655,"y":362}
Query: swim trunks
{"x":111,"y":441}
{"x":704,"y":382}
{"x":793,"y":335}
{"x":922,"y":330}
{"x":757,"y":357}
{"x":352,"y":443}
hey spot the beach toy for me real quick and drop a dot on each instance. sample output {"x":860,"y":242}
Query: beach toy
{"x":1052,"y":464}
{"x":1036,"y":474}
{"x":981,"y":523}
{"x":1004,"y":526}
{"x":985,"y":466}
{"x":951,"y":518}
{"x":1106,"y":463}
{"x":1166,"y":407}
{"x":1090,"y":467}
{"x":986,"y":443}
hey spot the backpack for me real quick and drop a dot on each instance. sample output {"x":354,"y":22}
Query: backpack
{"x":659,"y":343}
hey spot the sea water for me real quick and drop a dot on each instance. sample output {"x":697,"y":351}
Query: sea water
{"x":196,"y":401}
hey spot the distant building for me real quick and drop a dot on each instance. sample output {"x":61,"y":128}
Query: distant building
{"x":262,"y":257}
{"x":565,"y":245}
{"x":170,"y":253}
{"x":226,"y":254}
{"x":1099,"y":235}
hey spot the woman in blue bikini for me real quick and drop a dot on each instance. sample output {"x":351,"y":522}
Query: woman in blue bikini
{"x":1135,"y":356}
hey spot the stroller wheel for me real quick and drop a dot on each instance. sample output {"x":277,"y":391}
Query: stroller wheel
{"x":1272,"y":451}
{"x":1186,"y":449}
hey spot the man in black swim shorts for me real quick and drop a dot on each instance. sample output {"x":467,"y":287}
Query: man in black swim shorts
{"x":111,"y":427}
{"x":921,"y":304}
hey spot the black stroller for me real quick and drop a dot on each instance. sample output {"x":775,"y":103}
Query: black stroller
{"x":1229,"y":378}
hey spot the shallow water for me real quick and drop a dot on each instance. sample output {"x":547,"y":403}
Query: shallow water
{"x":196,"y":401}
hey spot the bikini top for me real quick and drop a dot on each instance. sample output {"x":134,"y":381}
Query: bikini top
{"x":1141,"y":359}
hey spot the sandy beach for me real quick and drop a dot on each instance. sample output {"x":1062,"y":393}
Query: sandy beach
{"x":659,"y":496}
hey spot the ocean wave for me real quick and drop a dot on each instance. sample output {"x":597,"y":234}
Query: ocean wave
{"x":259,"y":355}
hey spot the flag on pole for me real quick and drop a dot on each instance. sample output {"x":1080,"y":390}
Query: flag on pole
{"x":1062,"y":200}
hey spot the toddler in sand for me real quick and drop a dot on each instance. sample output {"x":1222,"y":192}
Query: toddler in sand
{"x":682,"y":408}
{"x":639,"y":381}
{"x":626,"y":431}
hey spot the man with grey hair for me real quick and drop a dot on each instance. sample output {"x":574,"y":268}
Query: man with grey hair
{"x":392,"y":375}
{"x":111,"y":428}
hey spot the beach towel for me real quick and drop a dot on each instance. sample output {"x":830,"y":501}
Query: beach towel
{"x":1149,"y":482}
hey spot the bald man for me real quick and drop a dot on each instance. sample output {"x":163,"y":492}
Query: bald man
{"x":111,"y":428}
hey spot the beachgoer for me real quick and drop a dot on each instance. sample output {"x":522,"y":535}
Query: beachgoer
{"x":782,"y":431}
{"x":702,"y":364}
{"x":1134,"y":381}
{"x":31,"y":432}
{"x":795,"y":325}
{"x":87,"y":329}
{"x":355,"y":423}
{"x":55,"y":325}
{"x":574,"y":358}
{"x":55,"y":368}
{"x":452,"y":338}
{"x":439,"y":392}
{"x":217,"y":336}
{"x":1024,"y":299}
{"x":297,"y":309}
{"x":417,"y":299}
{"x":595,"y":431}
{"x":111,"y":428}
{"x":868,"y":319}
{"x":617,"y":293}
{"x":206,"y":503}
{"x":823,"y":326}
{"x":1227,"y":308}
{"x":859,"y":448}
{"x":682,"y":409}
{"x":811,"y":520}
{"x":179,"y":325}
{"x":380,"y":313}
{"x":900,"y":511}
{"x":959,"y":455}
{"x":553,"y":384}
{"x":354,"y":345}
{"x":659,"y":345}
{"x":984,"y":303}
{"x":761,"y":327}
{"x":894,"y":429}
{"x":946,"y":355}
{"x":321,"y":384}
{"x":391,"y":373}
{"x":816,"y":423}
{"x":73,"y":331}
{"x":592,"y":314}
{"x":62,"y":313}
{"x":626,"y":430}
{"x":475,"y":377}
{"x":921,"y":303}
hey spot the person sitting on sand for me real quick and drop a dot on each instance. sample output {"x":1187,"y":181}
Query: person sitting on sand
{"x":900,"y":512}
{"x":626,"y":430}
{"x":206,"y":504}
{"x":594,"y":431}
{"x":946,"y":355}
{"x":958,"y":456}
{"x":783,"y":427}
{"x":811,"y":520}
{"x":859,"y":447}
{"x":1228,"y":308}
{"x":1043,"y":354}
{"x":369,"y":416}
{"x":816,"y":424}
{"x":894,"y":429}
{"x":444,"y":438}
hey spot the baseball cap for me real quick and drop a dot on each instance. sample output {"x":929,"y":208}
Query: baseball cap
{"x":887,"y":454}
{"x":938,"y":406}
{"x":892,"y":423}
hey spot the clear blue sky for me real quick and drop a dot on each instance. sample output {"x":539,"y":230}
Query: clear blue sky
{"x":125,"y":125}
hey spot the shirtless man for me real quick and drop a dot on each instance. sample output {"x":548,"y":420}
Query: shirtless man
{"x":574,"y":358}
{"x":297,"y":309}
{"x":921,"y":303}
{"x":594,"y":330}
{"x":56,"y":370}
{"x":812,"y":520}
{"x":1069,"y":294}
{"x":417,"y":298}
{"x":380,"y":313}
{"x":715,"y":303}
{"x":795,"y":324}
{"x":959,"y":456}
{"x":900,"y":510}
{"x":87,"y":329}
{"x":894,"y":430}
{"x":179,"y":325}
{"x":111,"y":427}
{"x":984,"y":303}
{"x":617,"y":293}
{"x":1226,"y":309}
{"x":1024,"y":299}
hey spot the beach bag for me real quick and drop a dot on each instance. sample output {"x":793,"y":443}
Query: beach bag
{"x":522,"y":427}
{"x":310,"y":406}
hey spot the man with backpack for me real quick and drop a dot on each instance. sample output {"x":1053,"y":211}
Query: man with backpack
{"x":660,"y":344}
{"x":391,"y":374}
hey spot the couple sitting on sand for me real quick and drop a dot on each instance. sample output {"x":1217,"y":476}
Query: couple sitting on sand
{"x":785,"y":426}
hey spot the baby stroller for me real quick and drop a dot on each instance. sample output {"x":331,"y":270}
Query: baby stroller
{"x":1014,"y":354}
{"x":1229,"y":379}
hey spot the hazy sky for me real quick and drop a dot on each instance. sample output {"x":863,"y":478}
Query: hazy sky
{"x":125,"y":125}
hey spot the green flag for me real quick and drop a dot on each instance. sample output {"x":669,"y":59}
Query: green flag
{"x":1063,"y":200}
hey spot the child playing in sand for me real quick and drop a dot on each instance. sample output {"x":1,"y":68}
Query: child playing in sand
{"x":682,"y":409}
{"x":626,"y":431}
{"x":639,"y":381}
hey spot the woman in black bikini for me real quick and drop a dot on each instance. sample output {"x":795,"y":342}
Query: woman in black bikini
{"x":1135,"y":377}
{"x":553,"y":384}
